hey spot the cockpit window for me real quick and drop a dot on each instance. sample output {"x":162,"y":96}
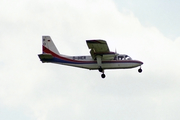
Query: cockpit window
{"x":120,"y":57}
{"x":124,"y":57}
{"x":128,"y":58}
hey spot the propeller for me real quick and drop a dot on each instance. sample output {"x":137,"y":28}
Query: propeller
{"x":116,"y":52}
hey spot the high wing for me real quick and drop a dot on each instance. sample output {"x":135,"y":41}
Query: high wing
{"x":100,"y":48}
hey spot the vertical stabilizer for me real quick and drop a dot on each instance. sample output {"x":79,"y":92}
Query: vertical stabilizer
{"x":47,"y":43}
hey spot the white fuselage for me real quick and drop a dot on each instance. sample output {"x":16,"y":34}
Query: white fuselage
{"x":88,"y":63}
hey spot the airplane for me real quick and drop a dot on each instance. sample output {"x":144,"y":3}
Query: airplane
{"x":101,"y":58}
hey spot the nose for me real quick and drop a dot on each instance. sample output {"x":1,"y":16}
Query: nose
{"x":139,"y":62}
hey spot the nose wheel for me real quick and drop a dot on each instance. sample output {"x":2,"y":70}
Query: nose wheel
{"x":139,"y":70}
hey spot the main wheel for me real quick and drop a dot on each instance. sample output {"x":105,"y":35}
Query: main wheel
{"x":139,"y":70}
{"x":100,"y":69}
{"x":103,"y":75}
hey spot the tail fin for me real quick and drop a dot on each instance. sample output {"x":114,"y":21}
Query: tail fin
{"x":48,"y":45}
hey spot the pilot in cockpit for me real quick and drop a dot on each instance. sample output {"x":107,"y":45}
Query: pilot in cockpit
{"x":128,"y":58}
{"x":123,"y":57}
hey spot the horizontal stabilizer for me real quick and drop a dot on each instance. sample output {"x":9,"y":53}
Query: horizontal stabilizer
{"x":45,"y":57}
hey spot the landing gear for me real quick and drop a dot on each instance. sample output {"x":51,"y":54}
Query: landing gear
{"x":99,"y":61}
{"x":139,"y":70}
{"x":103,"y":75}
{"x":102,"y":70}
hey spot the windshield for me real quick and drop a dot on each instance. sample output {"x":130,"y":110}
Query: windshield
{"x":123,"y":57}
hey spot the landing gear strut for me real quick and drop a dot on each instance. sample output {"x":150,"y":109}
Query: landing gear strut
{"x":99,"y":61}
{"x":139,"y":70}
{"x":101,"y":70}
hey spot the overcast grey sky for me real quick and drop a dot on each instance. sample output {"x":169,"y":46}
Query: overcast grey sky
{"x":162,"y":14}
{"x":31,"y":90}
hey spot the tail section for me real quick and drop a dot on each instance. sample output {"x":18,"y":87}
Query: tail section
{"x":49,"y":49}
{"x":48,"y":45}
